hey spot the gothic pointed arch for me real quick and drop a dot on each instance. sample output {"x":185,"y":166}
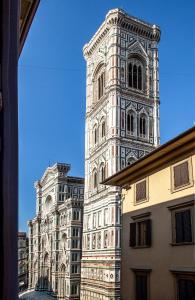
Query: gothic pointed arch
{"x":143,"y":125}
{"x":94,"y":178}
{"x":102,"y":127}
{"x":95,"y":134}
{"x":102,"y":171}
{"x":98,"y":82}
{"x":131,"y":122}
{"x":136,"y":72}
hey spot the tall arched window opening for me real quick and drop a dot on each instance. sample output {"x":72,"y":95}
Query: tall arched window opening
{"x":103,"y":129}
{"x":135,"y":75}
{"x":139,"y":78}
{"x":142,"y":126}
{"x":131,"y":123}
{"x":101,"y":85}
{"x":95,"y":179}
{"x":102,"y":173}
{"x":95,"y":134}
{"x":130,"y":81}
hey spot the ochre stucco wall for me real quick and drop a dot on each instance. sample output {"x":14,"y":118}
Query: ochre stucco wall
{"x":161,"y":256}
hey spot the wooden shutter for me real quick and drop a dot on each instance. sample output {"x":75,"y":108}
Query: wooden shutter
{"x":178,"y":227}
{"x":148,"y":232}
{"x":141,"y":191}
{"x":186,"y":289}
{"x":181,"y":175}
{"x":141,"y":287}
{"x":187,"y":226}
{"x":132,"y":241}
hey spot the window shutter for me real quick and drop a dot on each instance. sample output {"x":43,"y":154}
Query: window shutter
{"x":141,"y":287}
{"x":181,"y":175}
{"x":187,"y":226}
{"x":148,"y":232}
{"x":186,"y":289}
{"x":132,"y":234}
{"x":141,"y":191}
{"x":178,"y":227}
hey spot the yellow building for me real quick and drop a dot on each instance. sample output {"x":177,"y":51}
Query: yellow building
{"x":158,"y":223}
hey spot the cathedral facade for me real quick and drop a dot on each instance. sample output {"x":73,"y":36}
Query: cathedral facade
{"x":122,"y":125}
{"x":55,"y":234}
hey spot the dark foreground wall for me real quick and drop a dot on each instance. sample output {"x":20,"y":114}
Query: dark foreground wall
{"x":8,"y":148}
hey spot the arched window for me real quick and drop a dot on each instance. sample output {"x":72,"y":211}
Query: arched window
{"x":130,"y":72}
{"x":139,"y":78}
{"x":101,"y":85}
{"x":102,"y":173}
{"x":143,"y":125}
{"x":131,"y":122}
{"x":95,"y":179}
{"x":103,"y":129}
{"x":135,"y":75}
{"x":95,"y":135}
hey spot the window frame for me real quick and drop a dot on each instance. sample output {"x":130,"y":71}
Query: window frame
{"x":144,"y":218}
{"x":190,"y":173}
{"x":181,"y":275}
{"x":145,"y":273}
{"x":142,"y":135}
{"x":146,"y":199}
{"x":131,"y":113}
{"x":138,"y":63}
{"x":180,"y":208}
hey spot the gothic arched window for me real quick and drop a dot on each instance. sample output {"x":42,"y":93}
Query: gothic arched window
{"x":101,"y":85}
{"x":95,"y":134}
{"x":94,"y":179}
{"x":103,"y":129}
{"x":143,"y":125}
{"x":99,"y":82}
{"x":135,"y":75}
{"x":102,"y":173}
{"x":131,"y":122}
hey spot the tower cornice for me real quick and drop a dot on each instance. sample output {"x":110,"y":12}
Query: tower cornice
{"x":118,"y":17}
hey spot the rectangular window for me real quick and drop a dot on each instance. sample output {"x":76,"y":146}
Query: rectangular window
{"x":182,"y":215}
{"x":183,"y":226}
{"x":140,"y":233}
{"x":141,"y":279}
{"x":181,"y":175}
{"x":185,"y":283}
{"x":140,"y":191}
{"x":186,"y":289}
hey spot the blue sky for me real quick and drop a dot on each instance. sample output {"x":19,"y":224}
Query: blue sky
{"x":52,"y":81}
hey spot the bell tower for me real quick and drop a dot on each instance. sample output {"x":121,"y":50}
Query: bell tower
{"x":122,"y":125}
